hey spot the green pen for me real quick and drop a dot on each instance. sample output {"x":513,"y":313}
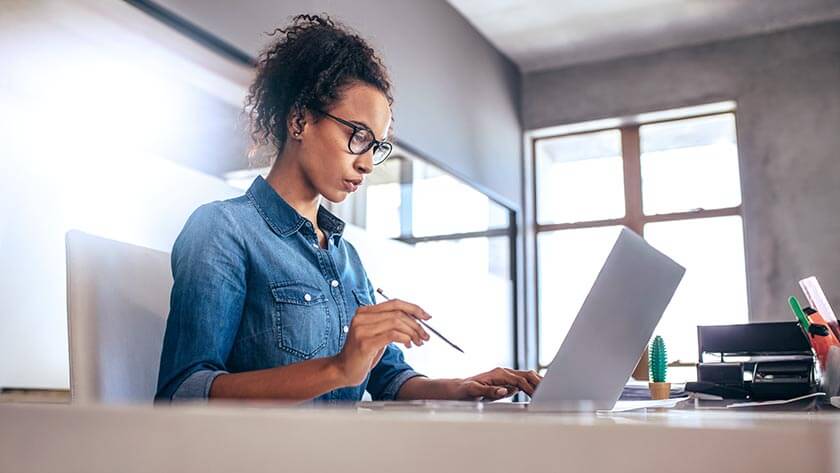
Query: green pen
{"x":797,"y":311}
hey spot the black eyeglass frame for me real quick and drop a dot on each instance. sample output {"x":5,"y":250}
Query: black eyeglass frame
{"x":374,"y":143}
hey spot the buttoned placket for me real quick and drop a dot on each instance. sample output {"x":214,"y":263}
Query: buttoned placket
{"x":337,"y":290}
{"x":329,"y":271}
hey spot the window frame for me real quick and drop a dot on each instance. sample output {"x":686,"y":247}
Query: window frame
{"x":408,"y":154}
{"x":634,"y":216}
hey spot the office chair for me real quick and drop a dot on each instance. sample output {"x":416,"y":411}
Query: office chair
{"x":117,"y":304}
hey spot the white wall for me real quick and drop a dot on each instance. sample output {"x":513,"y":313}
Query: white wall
{"x":456,"y":96}
{"x":79,"y":123}
{"x":137,"y":199}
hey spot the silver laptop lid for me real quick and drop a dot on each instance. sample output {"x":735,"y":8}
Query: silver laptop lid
{"x":611,"y":329}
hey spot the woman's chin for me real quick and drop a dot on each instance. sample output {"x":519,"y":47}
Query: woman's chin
{"x":336,"y":197}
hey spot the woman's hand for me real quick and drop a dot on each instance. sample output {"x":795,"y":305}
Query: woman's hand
{"x":497,"y":384}
{"x":489,"y":386}
{"x":371,"y":330}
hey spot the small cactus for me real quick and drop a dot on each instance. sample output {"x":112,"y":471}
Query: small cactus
{"x":658,"y":360}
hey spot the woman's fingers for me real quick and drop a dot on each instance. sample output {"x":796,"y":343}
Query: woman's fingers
{"x":477,"y":390}
{"x":532,"y":376}
{"x":412,"y":322}
{"x":409,"y":324}
{"x":387,"y":324}
{"x":391,"y":336}
{"x":502,"y":376}
{"x":505,"y":376}
{"x":396,"y":320}
{"x":407,"y":313}
{"x":412,"y":310}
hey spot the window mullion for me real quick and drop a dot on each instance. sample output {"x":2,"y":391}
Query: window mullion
{"x":631,"y":151}
{"x":631,"y":156}
{"x":406,"y":198}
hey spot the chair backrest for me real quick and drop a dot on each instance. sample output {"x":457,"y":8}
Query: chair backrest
{"x":117,"y":304}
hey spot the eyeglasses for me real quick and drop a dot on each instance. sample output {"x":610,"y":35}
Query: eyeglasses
{"x":362,"y":140}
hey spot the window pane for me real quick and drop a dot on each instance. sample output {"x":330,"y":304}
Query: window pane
{"x":476,"y":313}
{"x":690,"y":164}
{"x":488,"y":255}
{"x":382,"y":194}
{"x":383,"y":209}
{"x":713,"y":290}
{"x":580,"y":178}
{"x":443,"y":204}
{"x":569,"y":262}
{"x":408,"y":197}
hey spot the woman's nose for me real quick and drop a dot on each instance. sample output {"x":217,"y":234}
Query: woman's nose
{"x":364,"y":163}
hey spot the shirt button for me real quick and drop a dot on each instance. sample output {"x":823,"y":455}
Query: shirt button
{"x":307,"y":297}
{"x":334,"y":283}
{"x":315,"y":245}
{"x":346,"y":329}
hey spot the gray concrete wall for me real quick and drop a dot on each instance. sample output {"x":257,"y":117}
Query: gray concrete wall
{"x":456,"y":96}
{"x":787,"y":87}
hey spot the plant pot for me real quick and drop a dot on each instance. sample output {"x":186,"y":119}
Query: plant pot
{"x":659,"y":390}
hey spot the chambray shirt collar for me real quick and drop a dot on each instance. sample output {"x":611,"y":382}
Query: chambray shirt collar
{"x":332,"y":225}
{"x":282,"y":217}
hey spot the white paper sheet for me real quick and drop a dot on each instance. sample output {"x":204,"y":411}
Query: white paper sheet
{"x":622,"y":406}
{"x":773,"y":403}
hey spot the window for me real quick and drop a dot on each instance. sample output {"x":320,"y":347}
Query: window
{"x":453,"y":225}
{"x":676,"y":183}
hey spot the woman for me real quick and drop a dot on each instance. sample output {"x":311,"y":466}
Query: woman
{"x":269,"y":300}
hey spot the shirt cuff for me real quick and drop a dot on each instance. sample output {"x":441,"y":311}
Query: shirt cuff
{"x":196,"y":386}
{"x":391,"y":390}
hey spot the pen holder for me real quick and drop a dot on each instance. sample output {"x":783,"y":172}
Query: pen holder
{"x":821,"y":343}
{"x":659,"y":390}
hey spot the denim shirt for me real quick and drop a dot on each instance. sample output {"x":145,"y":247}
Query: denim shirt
{"x":254,"y":290}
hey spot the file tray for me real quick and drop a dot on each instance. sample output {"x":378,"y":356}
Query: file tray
{"x":763,"y":361}
{"x":761,"y":338}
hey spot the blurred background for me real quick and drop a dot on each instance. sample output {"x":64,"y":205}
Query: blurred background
{"x":527,"y":133}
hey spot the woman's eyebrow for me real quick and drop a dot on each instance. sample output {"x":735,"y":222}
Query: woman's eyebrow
{"x":361,"y":124}
{"x":365,"y":125}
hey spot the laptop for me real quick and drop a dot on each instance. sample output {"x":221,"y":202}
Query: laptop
{"x":606,"y":339}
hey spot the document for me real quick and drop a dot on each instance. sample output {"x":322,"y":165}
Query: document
{"x":772,"y":403}
{"x":623,"y":406}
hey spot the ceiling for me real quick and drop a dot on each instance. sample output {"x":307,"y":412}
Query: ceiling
{"x":544,"y":34}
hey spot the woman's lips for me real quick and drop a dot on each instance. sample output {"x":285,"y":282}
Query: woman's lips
{"x":350,"y":186}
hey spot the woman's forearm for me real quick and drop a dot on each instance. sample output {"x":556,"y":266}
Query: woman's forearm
{"x":296,"y":382}
{"x":424,"y":388}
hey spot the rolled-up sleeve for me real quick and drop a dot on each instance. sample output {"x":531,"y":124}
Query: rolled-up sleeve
{"x":196,"y":385}
{"x":208,"y":268}
{"x":388,"y":376}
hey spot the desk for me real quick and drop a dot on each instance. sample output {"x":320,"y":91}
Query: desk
{"x":237,"y":438}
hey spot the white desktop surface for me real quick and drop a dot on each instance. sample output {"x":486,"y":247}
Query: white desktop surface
{"x":267,"y":437}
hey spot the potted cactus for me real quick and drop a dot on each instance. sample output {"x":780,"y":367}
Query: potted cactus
{"x":659,"y":389}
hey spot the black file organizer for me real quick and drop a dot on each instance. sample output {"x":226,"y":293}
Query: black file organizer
{"x":784,"y":369}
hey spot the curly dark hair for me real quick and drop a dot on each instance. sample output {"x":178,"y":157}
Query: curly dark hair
{"x":305,"y":69}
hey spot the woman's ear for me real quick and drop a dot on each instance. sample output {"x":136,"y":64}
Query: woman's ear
{"x":296,"y":123}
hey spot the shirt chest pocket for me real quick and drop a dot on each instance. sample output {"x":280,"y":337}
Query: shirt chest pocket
{"x":362,"y":297}
{"x":301,"y":318}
